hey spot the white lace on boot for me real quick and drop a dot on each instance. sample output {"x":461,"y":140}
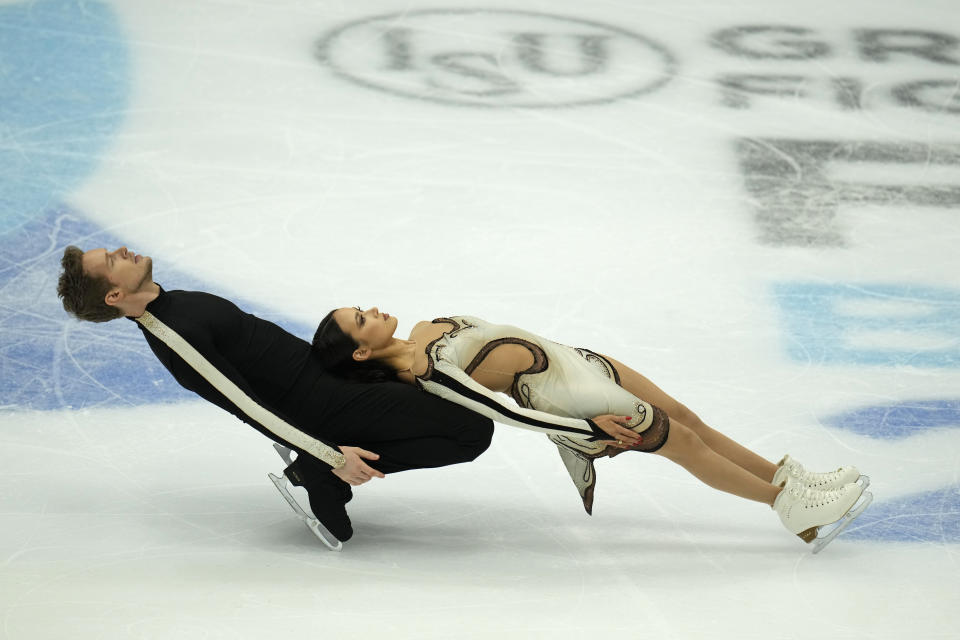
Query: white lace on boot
{"x":791,"y":468}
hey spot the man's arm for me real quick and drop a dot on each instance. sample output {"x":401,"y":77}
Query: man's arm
{"x":235,"y":395}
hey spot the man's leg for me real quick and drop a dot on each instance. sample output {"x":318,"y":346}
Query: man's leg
{"x":409,"y":428}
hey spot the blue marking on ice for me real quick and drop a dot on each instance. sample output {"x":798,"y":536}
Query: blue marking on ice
{"x":51,"y":361}
{"x":64,"y":84}
{"x":875,"y":325}
{"x":932,"y":516}
{"x":900,"y":420}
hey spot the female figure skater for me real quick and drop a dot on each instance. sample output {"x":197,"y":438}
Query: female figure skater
{"x":590,"y":405}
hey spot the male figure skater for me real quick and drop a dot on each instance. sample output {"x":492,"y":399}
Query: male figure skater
{"x":344,"y":433}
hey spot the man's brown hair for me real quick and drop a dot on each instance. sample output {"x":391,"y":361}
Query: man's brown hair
{"x":83,"y":295}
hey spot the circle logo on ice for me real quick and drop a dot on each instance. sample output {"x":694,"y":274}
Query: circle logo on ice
{"x":496,"y":58}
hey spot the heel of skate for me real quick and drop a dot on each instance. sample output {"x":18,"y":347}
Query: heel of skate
{"x":809,"y":535}
{"x":819,"y":516}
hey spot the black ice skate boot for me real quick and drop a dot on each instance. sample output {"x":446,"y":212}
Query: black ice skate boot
{"x":327,"y":496}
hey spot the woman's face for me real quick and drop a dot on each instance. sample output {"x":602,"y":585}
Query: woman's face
{"x":369,"y":328}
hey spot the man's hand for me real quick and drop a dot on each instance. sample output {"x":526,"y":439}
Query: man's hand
{"x":356,"y":471}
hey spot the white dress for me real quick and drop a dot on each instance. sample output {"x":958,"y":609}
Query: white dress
{"x":557,"y":395}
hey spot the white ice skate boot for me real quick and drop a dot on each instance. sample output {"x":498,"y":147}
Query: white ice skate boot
{"x":791,"y":468}
{"x":804,"y":511}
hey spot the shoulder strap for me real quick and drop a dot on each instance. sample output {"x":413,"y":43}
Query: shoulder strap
{"x":236,"y":395}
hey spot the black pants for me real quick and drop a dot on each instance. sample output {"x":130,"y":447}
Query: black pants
{"x":407,"y":427}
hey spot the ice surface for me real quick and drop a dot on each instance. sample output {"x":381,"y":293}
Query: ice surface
{"x":754,"y":204}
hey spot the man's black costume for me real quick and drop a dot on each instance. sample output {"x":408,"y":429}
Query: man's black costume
{"x":276,"y":373}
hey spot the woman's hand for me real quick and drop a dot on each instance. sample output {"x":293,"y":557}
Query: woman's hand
{"x":356,"y":471}
{"x":615,"y":427}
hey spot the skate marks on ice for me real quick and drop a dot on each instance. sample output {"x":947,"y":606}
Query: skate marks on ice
{"x":930,"y":516}
{"x":883,"y":325}
{"x":898,"y":421}
{"x":800,"y":187}
{"x":870,"y":324}
{"x":53,"y":132}
{"x":54,"y":128}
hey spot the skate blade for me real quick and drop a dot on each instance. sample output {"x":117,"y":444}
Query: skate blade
{"x":285,"y":453}
{"x":315,"y":526}
{"x":822,"y":541}
{"x":864,"y":482}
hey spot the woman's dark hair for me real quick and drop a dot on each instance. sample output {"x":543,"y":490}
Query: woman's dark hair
{"x":334,"y":349}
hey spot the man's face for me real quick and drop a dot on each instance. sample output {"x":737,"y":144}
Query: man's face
{"x":124,"y":269}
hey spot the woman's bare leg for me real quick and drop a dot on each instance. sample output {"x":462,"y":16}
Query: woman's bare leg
{"x":641,"y":387}
{"x":685,"y":447}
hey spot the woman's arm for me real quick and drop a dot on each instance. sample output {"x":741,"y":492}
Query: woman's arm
{"x":452,"y":383}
